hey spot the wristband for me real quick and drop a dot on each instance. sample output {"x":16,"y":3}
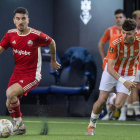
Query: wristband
{"x":122,"y":80}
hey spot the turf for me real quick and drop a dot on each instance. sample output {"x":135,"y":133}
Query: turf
{"x":74,"y":129}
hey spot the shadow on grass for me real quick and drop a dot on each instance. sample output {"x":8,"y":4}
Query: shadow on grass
{"x":26,"y":135}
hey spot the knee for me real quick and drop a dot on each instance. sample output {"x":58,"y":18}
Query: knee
{"x":7,"y":104}
{"x":101,"y":102}
{"x":119,"y":105}
{"x":9,"y":93}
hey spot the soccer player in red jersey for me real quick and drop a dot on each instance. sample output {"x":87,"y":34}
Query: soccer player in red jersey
{"x":119,"y":71}
{"x":25,"y":43}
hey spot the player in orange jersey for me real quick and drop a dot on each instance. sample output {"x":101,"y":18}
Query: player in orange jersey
{"x":119,"y":72}
{"x":133,"y":101}
{"x":109,"y":33}
{"x":112,"y":31}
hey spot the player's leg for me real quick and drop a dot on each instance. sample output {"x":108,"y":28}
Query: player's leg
{"x":135,"y":99}
{"x":106,"y":117}
{"x":26,"y":84}
{"x":97,"y":108}
{"x":122,"y":116}
{"x":106,"y":85}
{"x":130,"y":107}
{"x":12,"y":93}
{"x":120,"y":100}
{"x":14,"y":104}
{"x":9,"y":108}
{"x":122,"y":94}
{"x":117,"y":102}
{"x":12,"y":81}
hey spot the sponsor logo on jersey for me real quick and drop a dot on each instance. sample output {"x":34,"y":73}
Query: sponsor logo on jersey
{"x":30,"y":43}
{"x":21,"y":52}
{"x":14,"y":42}
{"x":121,"y":51}
{"x":133,"y":56}
{"x":47,"y":38}
{"x":136,"y":50}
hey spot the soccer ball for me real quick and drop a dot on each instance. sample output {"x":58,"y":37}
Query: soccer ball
{"x":6,"y":128}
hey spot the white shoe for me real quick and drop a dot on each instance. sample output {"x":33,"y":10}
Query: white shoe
{"x":122,"y":118}
{"x":105,"y":118}
{"x":18,"y":128}
{"x":90,"y":130}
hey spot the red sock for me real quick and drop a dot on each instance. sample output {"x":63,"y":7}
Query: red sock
{"x":11,"y":113}
{"x":16,"y":109}
{"x":20,"y":114}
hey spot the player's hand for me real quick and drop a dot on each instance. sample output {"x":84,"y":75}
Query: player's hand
{"x":55,"y":65}
{"x":129,"y":85}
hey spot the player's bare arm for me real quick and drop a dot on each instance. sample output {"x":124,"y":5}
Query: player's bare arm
{"x":1,"y":49}
{"x":54,"y":64}
{"x":128,"y":84}
{"x":101,"y":49}
{"x":111,"y":70}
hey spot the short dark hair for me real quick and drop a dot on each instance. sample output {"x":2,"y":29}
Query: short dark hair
{"x":21,"y":10}
{"x":119,"y":11}
{"x":134,"y":14}
{"x":129,"y":24}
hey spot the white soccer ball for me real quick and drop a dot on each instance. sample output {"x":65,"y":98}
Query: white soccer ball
{"x":6,"y":128}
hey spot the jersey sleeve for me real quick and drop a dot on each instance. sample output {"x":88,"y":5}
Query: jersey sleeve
{"x":106,"y":36}
{"x":112,"y":50}
{"x":43,"y":40}
{"x":5,"y":43}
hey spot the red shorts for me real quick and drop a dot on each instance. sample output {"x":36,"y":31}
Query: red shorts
{"x":26,"y":81}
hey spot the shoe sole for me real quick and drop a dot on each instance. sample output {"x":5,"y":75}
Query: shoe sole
{"x":89,"y":134}
{"x":19,"y":132}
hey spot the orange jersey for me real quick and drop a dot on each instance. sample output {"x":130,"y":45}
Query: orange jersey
{"x":126,"y":56}
{"x":138,"y":32}
{"x":109,"y":33}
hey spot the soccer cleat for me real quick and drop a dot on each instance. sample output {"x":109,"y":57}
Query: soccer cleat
{"x":122,"y":118}
{"x":90,"y":130}
{"x":18,"y":128}
{"x":112,"y":110}
{"x":105,"y":118}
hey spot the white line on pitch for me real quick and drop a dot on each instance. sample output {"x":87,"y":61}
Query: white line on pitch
{"x":80,"y":123}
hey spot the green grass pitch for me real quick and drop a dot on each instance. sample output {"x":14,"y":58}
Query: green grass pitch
{"x":74,"y":129}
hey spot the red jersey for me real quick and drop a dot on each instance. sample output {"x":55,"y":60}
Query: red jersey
{"x":126,"y":56}
{"x":26,"y":50}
